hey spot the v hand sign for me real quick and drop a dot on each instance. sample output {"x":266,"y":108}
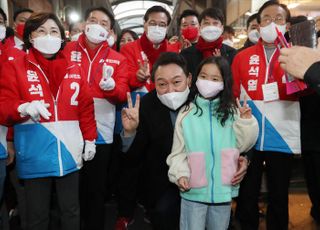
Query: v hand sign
{"x":245,"y":110}
{"x":130,"y":116}
{"x":107,"y":83}
{"x":143,"y":72}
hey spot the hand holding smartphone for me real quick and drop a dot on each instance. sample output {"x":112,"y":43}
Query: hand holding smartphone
{"x":292,"y":85}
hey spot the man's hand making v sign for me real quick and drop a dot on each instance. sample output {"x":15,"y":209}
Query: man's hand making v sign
{"x":130,"y":116}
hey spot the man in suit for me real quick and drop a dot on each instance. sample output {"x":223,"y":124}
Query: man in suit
{"x":147,"y":139}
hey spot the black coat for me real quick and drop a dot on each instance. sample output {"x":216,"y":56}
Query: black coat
{"x":312,"y":77}
{"x":151,"y":147}
{"x":193,"y":57}
{"x":310,"y":111}
{"x":310,"y":123}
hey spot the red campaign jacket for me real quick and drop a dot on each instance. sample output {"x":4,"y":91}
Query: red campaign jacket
{"x":49,"y":147}
{"x":133,"y":52}
{"x":8,"y":51}
{"x":7,"y":43}
{"x":22,"y":80}
{"x":3,"y":47}
{"x":250,"y":70}
{"x":104,"y":101}
{"x":279,"y":120}
{"x":76,"y":52}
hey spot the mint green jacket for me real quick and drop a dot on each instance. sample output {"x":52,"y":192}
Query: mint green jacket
{"x":194,"y":133}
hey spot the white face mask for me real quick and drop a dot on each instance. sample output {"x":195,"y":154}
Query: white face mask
{"x":211,"y":33}
{"x":75,"y":37}
{"x":156,"y":34}
{"x":110,"y":41}
{"x":209,"y":89}
{"x":174,"y":100}
{"x":2,"y":32}
{"x":47,"y":44}
{"x":269,"y":34}
{"x":254,"y":36}
{"x":96,"y":33}
{"x":228,"y":42}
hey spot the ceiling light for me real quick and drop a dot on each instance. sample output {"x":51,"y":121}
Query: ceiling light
{"x":74,"y":17}
{"x":242,"y":36}
{"x":293,"y":5}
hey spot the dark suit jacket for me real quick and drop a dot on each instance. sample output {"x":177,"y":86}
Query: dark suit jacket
{"x":151,"y":146}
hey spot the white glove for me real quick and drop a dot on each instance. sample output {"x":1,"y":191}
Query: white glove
{"x":35,"y":109}
{"x":89,"y":150}
{"x":107,"y":83}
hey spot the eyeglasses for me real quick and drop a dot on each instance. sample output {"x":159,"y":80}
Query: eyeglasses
{"x":268,"y":19}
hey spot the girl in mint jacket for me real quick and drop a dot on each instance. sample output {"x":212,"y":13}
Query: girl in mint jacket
{"x":210,"y":133}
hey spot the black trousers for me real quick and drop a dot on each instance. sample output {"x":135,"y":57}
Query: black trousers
{"x":311,"y":162}
{"x":165,"y":214}
{"x":38,"y":194}
{"x":278,"y":172}
{"x":93,"y":188}
{"x":127,"y":187}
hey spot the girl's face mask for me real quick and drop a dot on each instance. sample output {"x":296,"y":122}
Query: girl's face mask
{"x":209,"y":89}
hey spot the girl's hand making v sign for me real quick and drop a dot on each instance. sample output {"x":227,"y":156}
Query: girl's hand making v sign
{"x":245,"y":110}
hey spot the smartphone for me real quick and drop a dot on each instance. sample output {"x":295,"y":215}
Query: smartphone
{"x":304,"y":34}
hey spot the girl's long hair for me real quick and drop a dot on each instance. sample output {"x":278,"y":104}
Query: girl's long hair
{"x":227,"y":105}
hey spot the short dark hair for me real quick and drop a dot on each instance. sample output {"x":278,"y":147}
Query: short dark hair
{"x":35,"y":21}
{"x":23,"y":10}
{"x":274,"y":3}
{"x":101,"y":9}
{"x":229,"y":29}
{"x":214,"y":13}
{"x":156,"y":9}
{"x":251,"y":18}
{"x":9,"y":32}
{"x":167,"y":58}
{"x":133,"y":34}
{"x":187,"y":13}
{"x":72,"y":25}
{"x":3,"y":14}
